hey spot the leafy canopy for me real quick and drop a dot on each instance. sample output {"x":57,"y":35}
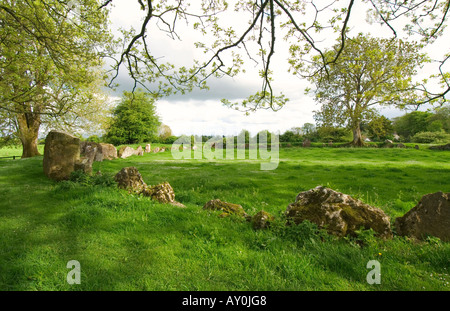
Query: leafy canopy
{"x":134,"y":119}
{"x":369,"y":72}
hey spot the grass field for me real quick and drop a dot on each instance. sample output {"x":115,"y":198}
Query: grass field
{"x":127,"y":242}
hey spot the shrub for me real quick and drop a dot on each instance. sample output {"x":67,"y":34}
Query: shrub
{"x":102,"y":179}
{"x":94,"y":139}
{"x":431,"y":137}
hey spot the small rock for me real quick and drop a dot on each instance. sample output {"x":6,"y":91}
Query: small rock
{"x":227,"y":208}
{"x":262,"y":220}
{"x":130,"y":179}
{"x":162,"y":193}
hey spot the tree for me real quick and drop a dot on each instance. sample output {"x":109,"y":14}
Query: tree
{"x":49,"y":65}
{"x":412,"y":123}
{"x":370,"y":72}
{"x":309,"y":130}
{"x":442,"y":116}
{"x":380,"y":128}
{"x":416,"y":122}
{"x":134,"y":119}
{"x":164,"y":132}
{"x":302,"y":24}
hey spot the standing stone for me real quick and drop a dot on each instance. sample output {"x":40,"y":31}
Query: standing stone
{"x":306,"y":143}
{"x":103,"y":151}
{"x":416,"y":147}
{"x":85,"y":162}
{"x":139,"y":151}
{"x":148,"y":148}
{"x":61,"y":153}
{"x":125,"y":152}
{"x":108,"y":151}
{"x":156,"y":150}
{"x":430,"y":217}
{"x":339,"y":213}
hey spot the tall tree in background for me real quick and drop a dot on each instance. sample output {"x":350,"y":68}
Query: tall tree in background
{"x":164,"y":132}
{"x":50,"y":63}
{"x":134,"y":119}
{"x":370,"y":72}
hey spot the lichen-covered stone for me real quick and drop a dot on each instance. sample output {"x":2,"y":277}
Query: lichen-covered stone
{"x":108,"y":151}
{"x":103,"y":151}
{"x":139,"y":151}
{"x":130,"y":179}
{"x":262,"y":220}
{"x":227,"y":208}
{"x":339,"y":213}
{"x":162,"y":193}
{"x":430,"y":217}
{"x":125,"y":152}
{"x":61,"y":153}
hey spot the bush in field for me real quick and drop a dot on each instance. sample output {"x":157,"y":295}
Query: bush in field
{"x":94,"y":139}
{"x":431,"y":137}
{"x":335,"y":134}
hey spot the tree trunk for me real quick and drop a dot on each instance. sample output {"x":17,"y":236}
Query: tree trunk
{"x":357,"y":137}
{"x":28,"y":133}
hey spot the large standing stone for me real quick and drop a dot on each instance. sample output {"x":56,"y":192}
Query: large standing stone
{"x":85,"y":162}
{"x":130,"y":179}
{"x":61,"y":153}
{"x":339,"y":213}
{"x":430,"y":217}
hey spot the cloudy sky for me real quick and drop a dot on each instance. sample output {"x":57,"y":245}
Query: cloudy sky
{"x":201,"y":112}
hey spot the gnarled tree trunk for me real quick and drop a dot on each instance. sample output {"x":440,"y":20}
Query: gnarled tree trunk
{"x":29,"y":123}
{"x":357,"y":137}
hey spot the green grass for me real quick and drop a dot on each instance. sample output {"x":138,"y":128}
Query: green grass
{"x":127,"y":242}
